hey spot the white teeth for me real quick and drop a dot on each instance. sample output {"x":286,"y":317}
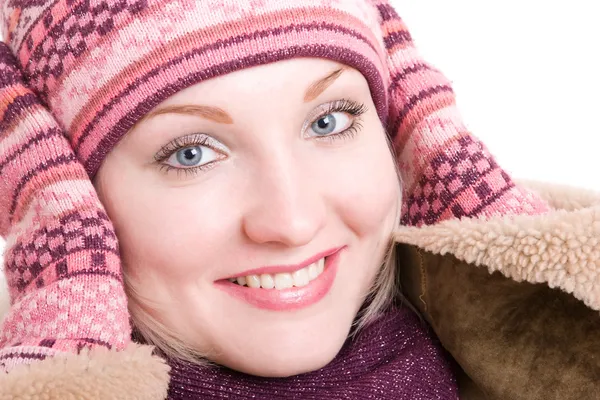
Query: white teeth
{"x":321,"y":265}
{"x":253,"y":281}
{"x":281,"y":281}
{"x":301,"y":277}
{"x":267,"y":281}
{"x":312,"y":271}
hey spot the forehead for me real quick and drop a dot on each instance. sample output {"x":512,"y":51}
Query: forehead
{"x":282,"y":78}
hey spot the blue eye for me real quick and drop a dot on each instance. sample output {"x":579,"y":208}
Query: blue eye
{"x":192,"y":156}
{"x":331,"y":123}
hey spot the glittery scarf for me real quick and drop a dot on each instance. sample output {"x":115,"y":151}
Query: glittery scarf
{"x":396,"y":357}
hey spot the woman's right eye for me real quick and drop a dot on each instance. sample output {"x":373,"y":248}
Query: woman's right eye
{"x":191,"y":153}
{"x":192,"y":157}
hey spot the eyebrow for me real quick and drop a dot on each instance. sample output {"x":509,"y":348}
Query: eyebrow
{"x":220,"y":116}
{"x":321,"y":85}
{"x":212,"y":113}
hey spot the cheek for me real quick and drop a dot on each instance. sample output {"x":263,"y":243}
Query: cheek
{"x":176,"y":240}
{"x":164,"y":234}
{"x":367,"y":191}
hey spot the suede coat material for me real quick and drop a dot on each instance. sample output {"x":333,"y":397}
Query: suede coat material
{"x":514,"y":300}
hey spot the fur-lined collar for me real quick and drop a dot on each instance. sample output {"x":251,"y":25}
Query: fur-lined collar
{"x":560,"y":248}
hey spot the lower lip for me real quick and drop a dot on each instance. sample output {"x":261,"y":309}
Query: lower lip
{"x":287,"y":299}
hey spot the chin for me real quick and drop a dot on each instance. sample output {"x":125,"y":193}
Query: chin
{"x":285,"y":364}
{"x":283,"y":367}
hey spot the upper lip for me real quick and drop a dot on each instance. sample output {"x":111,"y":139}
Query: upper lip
{"x":278,"y":269}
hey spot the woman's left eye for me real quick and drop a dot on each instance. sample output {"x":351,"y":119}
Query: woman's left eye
{"x":332,"y":123}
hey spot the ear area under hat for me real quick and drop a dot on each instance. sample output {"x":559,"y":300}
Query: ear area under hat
{"x":446,"y":171}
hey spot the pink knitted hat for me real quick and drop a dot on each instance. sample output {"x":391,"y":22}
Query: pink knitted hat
{"x":76,"y":75}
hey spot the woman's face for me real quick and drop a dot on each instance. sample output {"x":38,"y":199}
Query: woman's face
{"x":257,"y":174}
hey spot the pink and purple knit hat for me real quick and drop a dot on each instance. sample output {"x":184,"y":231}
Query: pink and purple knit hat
{"x":76,"y":75}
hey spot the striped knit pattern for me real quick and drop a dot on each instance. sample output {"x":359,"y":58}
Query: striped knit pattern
{"x":99,"y":65}
{"x":101,"y":73}
{"x":446,"y":172}
{"x":62,"y":262}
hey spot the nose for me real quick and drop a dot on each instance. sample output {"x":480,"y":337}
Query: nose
{"x":287,"y":204}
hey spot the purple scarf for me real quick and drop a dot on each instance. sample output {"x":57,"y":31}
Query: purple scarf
{"x":396,"y":357}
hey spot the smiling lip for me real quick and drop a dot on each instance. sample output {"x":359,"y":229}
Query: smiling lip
{"x":278,"y":269}
{"x":294,"y":297}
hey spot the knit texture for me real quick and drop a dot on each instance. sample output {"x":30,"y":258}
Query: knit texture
{"x":62,"y":263}
{"x":395,"y":358}
{"x":91,"y":69}
{"x":102,"y":65}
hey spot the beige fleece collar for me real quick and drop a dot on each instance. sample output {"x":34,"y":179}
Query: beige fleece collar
{"x":560,"y":248}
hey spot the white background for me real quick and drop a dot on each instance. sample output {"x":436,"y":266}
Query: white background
{"x":527,"y":78}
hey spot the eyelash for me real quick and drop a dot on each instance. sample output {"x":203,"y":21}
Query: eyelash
{"x":351,"y":107}
{"x":181,"y":143}
{"x":346,"y":106}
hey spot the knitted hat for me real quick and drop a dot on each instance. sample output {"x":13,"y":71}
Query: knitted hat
{"x":76,"y":75}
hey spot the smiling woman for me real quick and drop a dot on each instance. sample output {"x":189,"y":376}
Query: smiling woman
{"x":256,"y":187}
{"x":242,"y":199}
